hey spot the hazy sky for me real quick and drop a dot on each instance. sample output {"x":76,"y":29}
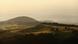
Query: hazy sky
{"x":65,"y":11}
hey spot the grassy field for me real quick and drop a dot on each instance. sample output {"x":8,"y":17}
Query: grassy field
{"x":44,"y":33}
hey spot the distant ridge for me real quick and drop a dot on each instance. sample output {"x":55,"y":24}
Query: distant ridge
{"x":23,"y":20}
{"x":20,"y":21}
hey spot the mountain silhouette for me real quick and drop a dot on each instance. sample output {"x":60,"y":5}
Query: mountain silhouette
{"x":20,"y":22}
{"x":23,"y":20}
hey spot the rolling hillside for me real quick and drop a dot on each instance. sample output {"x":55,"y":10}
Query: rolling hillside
{"x":16,"y":32}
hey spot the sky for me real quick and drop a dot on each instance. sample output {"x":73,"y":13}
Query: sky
{"x":62,"y":11}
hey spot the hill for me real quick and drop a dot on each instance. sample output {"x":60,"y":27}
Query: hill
{"x":18,"y":22}
{"x":25,"y":30}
